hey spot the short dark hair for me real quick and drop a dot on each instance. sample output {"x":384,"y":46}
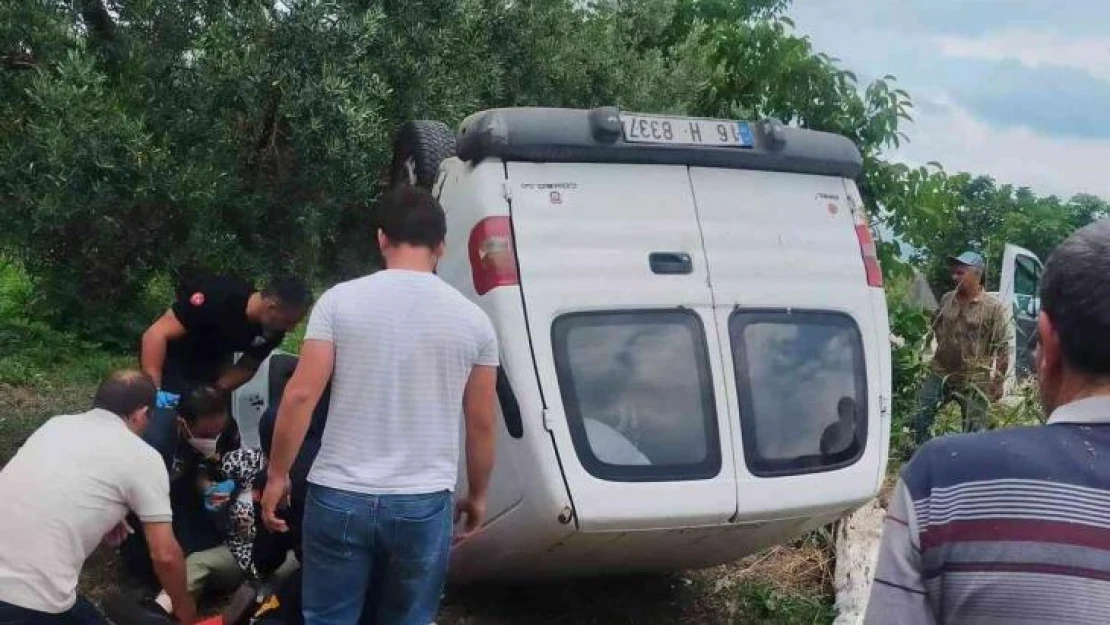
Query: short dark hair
{"x":290,"y":292}
{"x":410,"y":215}
{"x":202,"y":401}
{"x":125,"y":391}
{"x":1075,"y":294}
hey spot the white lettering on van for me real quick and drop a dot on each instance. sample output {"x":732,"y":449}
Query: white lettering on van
{"x":549,"y":186}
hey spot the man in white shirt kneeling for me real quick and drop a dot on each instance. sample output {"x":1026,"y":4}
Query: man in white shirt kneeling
{"x":69,"y":488}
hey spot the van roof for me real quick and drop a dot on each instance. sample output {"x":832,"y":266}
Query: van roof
{"x":596,"y":136}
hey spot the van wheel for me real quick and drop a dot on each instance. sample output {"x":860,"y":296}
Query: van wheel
{"x":419,"y":149}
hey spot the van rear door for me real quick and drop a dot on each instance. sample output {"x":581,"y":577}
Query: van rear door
{"x":801,"y":332}
{"x":615,"y":287}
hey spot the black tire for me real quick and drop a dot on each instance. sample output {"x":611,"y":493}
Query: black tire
{"x":419,"y":149}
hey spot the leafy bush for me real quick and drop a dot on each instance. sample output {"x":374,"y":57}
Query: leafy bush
{"x":1021,"y":407}
{"x":909,"y":335}
{"x":31,"y":350}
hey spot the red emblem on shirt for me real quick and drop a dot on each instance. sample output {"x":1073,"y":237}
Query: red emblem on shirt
{"x":196,"y":299}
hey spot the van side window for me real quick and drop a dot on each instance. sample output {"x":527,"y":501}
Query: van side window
{"x":638,"y":394}
{"x":802,"y":385}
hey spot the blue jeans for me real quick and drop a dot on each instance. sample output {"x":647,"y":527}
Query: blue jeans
{"x":374,"y":559}
{"x":82,"y":613}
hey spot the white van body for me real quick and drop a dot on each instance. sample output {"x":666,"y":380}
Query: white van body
{"x":694,"y":338}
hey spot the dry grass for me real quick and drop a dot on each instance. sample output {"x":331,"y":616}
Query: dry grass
{"x":800,"y":568}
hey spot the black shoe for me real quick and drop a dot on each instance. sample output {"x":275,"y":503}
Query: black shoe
{"x":123,"y":610}
{"x":241,"y":606}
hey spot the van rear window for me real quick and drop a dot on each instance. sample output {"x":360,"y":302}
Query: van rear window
{"x":802,"y":386}
{"x":638,"y":394}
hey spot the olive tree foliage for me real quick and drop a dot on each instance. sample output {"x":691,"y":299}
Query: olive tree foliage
{"x":138,"y":137}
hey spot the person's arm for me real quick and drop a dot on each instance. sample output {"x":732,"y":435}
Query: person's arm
{"x":244,"y":369}
{"x":1000,"y":347}
{"x":239,"y":373}
{"x":898,"y":593}
{"x":155,"y":341}
{"x":169,"y":567}
{"x":147,"y":489}
{"x":998,"y":384}
{"x":294,"y":416}
{"x":480,"y":414}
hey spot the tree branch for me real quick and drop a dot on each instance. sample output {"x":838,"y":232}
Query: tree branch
{"x":102,"y":29}
{"x":18,"y":60}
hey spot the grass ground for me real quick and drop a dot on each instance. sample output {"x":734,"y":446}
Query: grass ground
{"x":785,"y":585}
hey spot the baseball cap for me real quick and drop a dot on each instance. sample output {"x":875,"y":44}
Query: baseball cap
{"x":968,"y":259}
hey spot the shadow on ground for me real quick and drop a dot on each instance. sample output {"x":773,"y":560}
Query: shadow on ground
{"x":646,"y":600}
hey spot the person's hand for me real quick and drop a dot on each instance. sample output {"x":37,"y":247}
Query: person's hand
{"x":474,"y":509}
{"x":217,"y":495}
{"x":117,"y":535}
{"x":275,"y":495}
{"x":166,"y":399}
{"x":186,"y":611}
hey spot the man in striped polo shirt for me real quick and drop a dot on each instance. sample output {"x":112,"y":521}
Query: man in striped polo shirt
{"x":1013,"y":526}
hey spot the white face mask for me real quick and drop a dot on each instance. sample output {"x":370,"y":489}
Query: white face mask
{"x":205,"y":446}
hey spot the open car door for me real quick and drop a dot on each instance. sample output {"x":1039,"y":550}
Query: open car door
{"x":1018,"y":289}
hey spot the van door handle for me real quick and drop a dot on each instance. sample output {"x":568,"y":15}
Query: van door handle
{"x":671,"y":263}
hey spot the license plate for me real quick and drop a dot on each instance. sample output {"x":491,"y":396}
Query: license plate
{"x":685,"y":131}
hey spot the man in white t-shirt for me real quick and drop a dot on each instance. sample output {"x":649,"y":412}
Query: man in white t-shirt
{"x":68,"y":489}
{"x":408,"y":357}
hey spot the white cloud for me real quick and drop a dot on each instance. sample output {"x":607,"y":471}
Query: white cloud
{"x":1033,"y":49}
{"x":945,"y":132}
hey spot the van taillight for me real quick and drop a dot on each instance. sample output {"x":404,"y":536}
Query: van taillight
{"x":492,"y":260}
{"x":869,"y":251}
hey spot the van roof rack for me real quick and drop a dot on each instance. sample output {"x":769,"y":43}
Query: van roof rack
{"x":598,"y":136}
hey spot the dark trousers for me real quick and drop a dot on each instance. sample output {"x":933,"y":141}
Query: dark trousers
{"x":935,"y":392}
{"x":82,"y":613}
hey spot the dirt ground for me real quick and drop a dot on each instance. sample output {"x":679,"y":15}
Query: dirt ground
{"x":784,"y":585}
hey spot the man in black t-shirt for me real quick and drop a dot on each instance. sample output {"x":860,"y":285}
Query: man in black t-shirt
{"x":212,"y":318}
{"x":194,"y":343}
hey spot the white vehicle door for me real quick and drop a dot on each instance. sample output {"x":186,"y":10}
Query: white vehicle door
{"x":616,"y":292}
{"x":799,"y":300}
{"x":1018,"y":290}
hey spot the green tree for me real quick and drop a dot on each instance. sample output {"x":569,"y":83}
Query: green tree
{"x":941,"y":215}
{"x":138,"y":137}
{"x":141,"y":136}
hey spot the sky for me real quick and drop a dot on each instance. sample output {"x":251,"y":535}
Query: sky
{"x":1014,"y":89}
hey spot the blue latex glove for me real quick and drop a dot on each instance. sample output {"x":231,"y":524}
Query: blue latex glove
{"x":167,"y":399}
{"x":217,"y":495}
